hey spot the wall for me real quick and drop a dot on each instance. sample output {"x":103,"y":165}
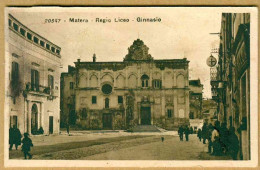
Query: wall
{"x":173,"y":94}
{"x":31,"y":56}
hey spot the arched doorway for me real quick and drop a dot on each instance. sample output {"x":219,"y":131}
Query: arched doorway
{"x":34,"y":119}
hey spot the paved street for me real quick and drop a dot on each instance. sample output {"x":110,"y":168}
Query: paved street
{"x":117,"y":146}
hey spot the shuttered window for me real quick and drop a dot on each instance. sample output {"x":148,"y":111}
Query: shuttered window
{"x":15,"y":72}
{"x":50,"y":81}
{"x":34,"y":80}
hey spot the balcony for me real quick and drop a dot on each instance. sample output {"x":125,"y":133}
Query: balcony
{"x":39,"y":90}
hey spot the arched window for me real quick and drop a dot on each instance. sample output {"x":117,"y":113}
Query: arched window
{"x":180,"y":81}
{"x":107,"y":103}
{"x":120,"y":81}
{"x":145,"y":80}
{"x":93,"y":81}
{"x":83,"y":81}
{"x":132,"y":81}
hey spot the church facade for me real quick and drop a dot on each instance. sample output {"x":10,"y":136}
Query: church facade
{"x":140,"y":90}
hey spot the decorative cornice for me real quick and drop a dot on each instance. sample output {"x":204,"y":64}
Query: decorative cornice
{"x":33,"y":34}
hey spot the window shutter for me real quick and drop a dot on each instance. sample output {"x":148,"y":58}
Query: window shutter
{"x":32,"y":79}
{"x":13,"y":71}
{"x":49,"y":81}
{"x":17,"y":71}
{"x":37,"y":80}
{"x":52,"y":82}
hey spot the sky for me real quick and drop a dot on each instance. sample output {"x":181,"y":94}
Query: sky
{"x":182,"y":32}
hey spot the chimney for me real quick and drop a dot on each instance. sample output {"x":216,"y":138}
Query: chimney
{"x":78,"y":60}
{"x":94,"y":58}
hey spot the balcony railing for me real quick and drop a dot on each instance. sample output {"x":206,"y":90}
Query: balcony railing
{"x":41,"y":90}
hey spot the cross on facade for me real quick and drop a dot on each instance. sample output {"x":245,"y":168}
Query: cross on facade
{"x":212,"y":61}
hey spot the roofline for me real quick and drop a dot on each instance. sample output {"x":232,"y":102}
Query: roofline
{"x":34,"y":32}
{"x":121,"y":62}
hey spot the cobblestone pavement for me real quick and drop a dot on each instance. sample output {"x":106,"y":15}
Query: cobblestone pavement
{"x":117,"y":146}
{"x":77,"y":136}
{"x":171,"y":149}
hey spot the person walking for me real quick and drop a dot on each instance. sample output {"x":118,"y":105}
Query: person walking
{"x":199,"y":134}
{"x":14,"y":137}
{"x":11,"y":138}
{"x":26,"y":147}
{"x":187,"y":132}
{"x":204,"y":132}
{"x":208,"y":137}
{"x":223,"y":137}
{"x":191,"y":130}
{"x":217,"y":150}
{"x":180,"y":132}
{"x":233,"y":143}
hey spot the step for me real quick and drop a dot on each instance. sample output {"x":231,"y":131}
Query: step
{"x":145,"y":128}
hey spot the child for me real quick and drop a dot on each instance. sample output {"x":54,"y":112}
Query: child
{"x":26,"y":147}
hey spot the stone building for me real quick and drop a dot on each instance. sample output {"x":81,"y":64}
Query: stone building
{"x":209,"y":111}
{"x":140,"y":90}
{"x":32,"y":80}
{"x":195,"y":99}
{"x":67,"y":97}
{"x":231,"y":88}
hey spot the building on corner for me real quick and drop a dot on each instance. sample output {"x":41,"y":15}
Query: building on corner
{"x":231,"y":89}
{"x":32,"y":80}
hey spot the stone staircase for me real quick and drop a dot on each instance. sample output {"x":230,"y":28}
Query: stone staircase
{"x":146,"y":128}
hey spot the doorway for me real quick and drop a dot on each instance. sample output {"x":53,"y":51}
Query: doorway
{"x":145,"y":115}
{"x":107,"y":121}
{"x":50,"y":124}
{"x":34,"y":119}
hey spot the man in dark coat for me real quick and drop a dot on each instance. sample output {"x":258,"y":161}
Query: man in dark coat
{"x":180,"y":132}
{"x":204,"y":132}
{"x":26,"y":147}
{"x":14,"y":137}
{"x":187,"y":132}
{"x":208,"y":137}
{"x":233,"y":143}
{"x":223,"y":136}
{"x":11,"y":138}
{"x":199,"y":134}
{"x":191,"y":130}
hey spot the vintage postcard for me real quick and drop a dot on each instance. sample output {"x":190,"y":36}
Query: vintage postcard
{"x":131,"y":87}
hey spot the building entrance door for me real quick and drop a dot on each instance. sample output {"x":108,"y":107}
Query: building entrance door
{"x":107,"y":121}
{"x":34,"y":119}
{"x":145,"y":115}
{"x":50,"y":124}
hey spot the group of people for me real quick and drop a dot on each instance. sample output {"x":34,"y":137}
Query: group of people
{"x":185,"y":130}
{"x":15,"y":138}
{"x":221,"y":140}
